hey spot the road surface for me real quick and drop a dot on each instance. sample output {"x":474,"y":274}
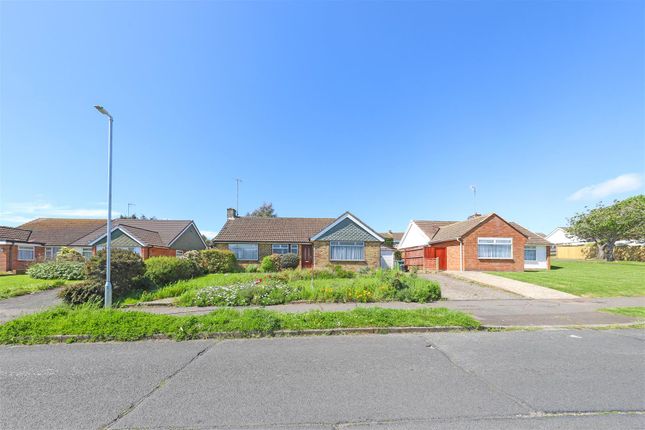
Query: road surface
{"x":554,"y":379}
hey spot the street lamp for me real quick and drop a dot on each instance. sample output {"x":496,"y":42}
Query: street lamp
{"x":108,"y":245}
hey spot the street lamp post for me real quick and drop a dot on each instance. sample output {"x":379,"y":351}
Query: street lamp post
{"x":108,"y":245}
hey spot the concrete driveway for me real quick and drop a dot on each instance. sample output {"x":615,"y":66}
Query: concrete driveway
{"x":462,"y":289}
{"x":14,"y":307}
{"x":581,"y":379}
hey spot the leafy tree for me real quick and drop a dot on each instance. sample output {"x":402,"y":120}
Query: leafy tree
{"x":604,"y":225}
{"x":265,"y":210}
{"x":134,"y":216}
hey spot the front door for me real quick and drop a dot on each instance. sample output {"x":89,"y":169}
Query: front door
{"x":307,"y":256}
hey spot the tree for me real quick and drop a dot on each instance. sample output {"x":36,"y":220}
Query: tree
{"x":134,"y":216}
{"x":265,"y":210}
{"x":604,"y":225}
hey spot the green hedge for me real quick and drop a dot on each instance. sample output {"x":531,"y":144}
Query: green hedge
{"x":166,"y":270}
{"x":219,"y":261}
{"x":70,"y":270}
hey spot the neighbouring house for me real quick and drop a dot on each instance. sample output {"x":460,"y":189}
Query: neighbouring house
{"x":56,"y":233}
{"x":392,"y":240}
{"x":18,"y":249}
{"x":565,"y":245}
{"x":344,"y":241}
{"x":482,"y":242}
{"x":148,"y":238}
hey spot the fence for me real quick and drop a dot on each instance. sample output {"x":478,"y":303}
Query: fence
{"x":415,"y":257}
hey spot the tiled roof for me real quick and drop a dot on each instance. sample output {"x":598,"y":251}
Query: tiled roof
{"x":60,"y":231}
{"x":263,"y":229}
{"x":430,"y":228}
{"x":534,"y":238}
{"x":150,"y":232}
{"x":394,"y":235}
{"x":14,"y":234}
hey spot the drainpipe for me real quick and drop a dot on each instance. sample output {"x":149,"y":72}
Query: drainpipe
{"x":461,"y":255}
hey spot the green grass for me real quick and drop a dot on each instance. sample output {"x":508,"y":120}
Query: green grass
{"x":118,"y":325}
{"x":635,"y":311}
{"x":18,"y":285}
{"x":588,"y":278}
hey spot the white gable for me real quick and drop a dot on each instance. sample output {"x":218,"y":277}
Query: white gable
{"x":413,"y":236}
{"x":560,"y":237}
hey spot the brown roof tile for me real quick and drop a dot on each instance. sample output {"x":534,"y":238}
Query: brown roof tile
{"x":442,"y":231}
{"x":261,"y":229}
{"x":60,"y":231}
{"x":533,"y":238}
{"x":151,"y":232}
{"x":14,"y":234}
{"x":430,"y":228}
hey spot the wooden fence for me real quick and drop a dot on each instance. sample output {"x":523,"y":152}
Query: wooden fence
{"x":415,"y":257}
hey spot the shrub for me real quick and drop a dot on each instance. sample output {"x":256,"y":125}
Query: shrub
{"x":420,"y":291}
{"x":166,"y":270}
{"x":289,"y":261}
{"x":78,"y":294}
{"x":219,"y":261}
{"x":127,"y":269}
{"x":197,"y":258}
{"x":69,"y":270}
{"x":629,"y":253}
{"x":254,"y":292}
{"x":271,"y":263}
{"x":252,"y":268}
{"x":339,"y":272}
{"x":69,"y":254}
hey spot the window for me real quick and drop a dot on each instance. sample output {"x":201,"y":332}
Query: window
{"x":179,"y":253}
{"x":87,"y":253}
{"x":244,"y":251}
{"x":26,"y":253}
{"x":51,"y":252}
{"x":495,"y":248}
{"x":342,"y":250}
{"x":530,"y":253}
{"x":284,"y":248}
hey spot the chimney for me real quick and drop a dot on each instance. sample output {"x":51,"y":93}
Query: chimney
{"x":231,"y":213}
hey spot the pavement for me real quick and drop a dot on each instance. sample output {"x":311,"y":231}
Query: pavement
{"x":523,"y":289}
{"x":14,"y":307}
{"x":556,"y":379}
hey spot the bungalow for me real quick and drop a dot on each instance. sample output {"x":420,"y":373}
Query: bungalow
{"x":18,"y":249}
{"x":56,"y":233}
{"x":148,"y":238}
{"x":482,"y":242}
{"x":345,"y":241}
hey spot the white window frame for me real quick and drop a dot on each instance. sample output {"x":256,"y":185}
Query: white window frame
{"x":294,"y":248}
{"x":277,"y":248}
{"x":49,"y":252}
{"x":87,"y":250}
{"x":346,"y":243}
{"x":231,"y":247}
{"x":495,"y":241}
{"x":22,"y":248}
{"x":179,"y":253}
{"x":531,"y":248}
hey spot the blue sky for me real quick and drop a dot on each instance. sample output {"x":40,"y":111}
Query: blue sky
{"x":389,"y":110}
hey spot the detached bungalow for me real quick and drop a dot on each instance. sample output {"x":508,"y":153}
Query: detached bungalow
{"x":345,"y":241}
{"x":482,"y":242}
{"x":18,"y":249}
{"x":148,"y":238}
{"x":56,"y":233}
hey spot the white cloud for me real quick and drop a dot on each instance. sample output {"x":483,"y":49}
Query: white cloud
{"x":209,"y":234}
{"x":20,"y":213}
{"x":619,"y":184}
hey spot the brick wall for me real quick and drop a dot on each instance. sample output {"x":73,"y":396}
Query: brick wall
{"x":9,"y":259}
{"x":495,"y":227}
{"x":452,"y":255}
{"x":5,"y":262}
{"x":372,"y":257}
{"x":264,"y":249}
{"x":157,"y":252}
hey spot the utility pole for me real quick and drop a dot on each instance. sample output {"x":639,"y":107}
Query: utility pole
{"x":237,"y":195}
{"x":130,"y":204}
{"x":474,"y":190}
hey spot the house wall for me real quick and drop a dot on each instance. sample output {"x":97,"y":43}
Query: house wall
{"x":264,"y":249}
{"x":372,"y":256}
{"x":189,"y":240}
{"x":452,"y":255}
{"x":494,"y":227}
{"x":413,"y":237}
{"x":543,"y":260}
{"x":9,"y":258}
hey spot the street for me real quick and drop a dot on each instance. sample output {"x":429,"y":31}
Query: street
{"x":504,"y":380}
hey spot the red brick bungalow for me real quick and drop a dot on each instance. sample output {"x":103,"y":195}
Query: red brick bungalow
{"x":482,"y":242}
{"x":18,"y":250}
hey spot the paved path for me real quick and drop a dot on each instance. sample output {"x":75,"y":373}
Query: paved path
{"x":460,"y":289}
{"x":524,"y":289}
{"x":14,"y":307}
{"x":582,"y":379}
{"x":504,"y":312}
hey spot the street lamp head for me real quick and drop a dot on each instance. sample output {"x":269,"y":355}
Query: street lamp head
{"x":103,"y":111}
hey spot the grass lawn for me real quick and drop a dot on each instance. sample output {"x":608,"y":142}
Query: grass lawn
{"x":588,"y":278}
{"x":636,"y":311}
{"x":241,"y":289}
{"x":17,"y":285}
{"x":118,"y":325}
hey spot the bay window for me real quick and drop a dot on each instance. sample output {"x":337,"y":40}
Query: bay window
{"x":343,"y":250}
{"x":26,"y":253}
{"x":244,"y":251}
{"x":495,"y":248}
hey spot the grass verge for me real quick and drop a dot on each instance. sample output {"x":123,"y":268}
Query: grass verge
{"x":18,"y":285}
{"x":587,"y":278}
{"x":634,"y":311}
{"x":117,"y":325}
